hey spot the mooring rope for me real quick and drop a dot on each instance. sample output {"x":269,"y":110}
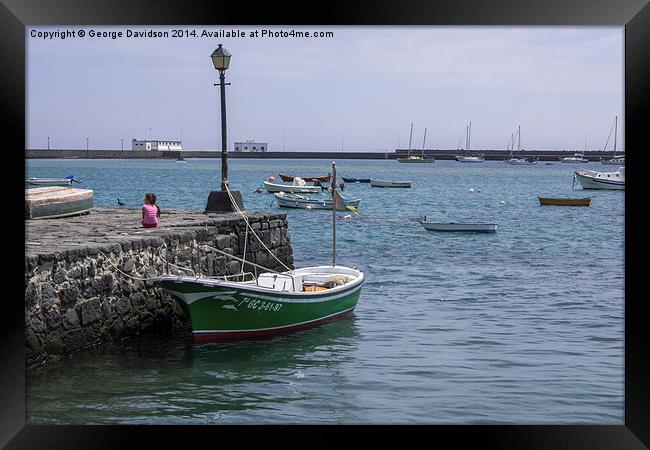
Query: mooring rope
{"x":123,"y":273}
{"x":234,"y":203}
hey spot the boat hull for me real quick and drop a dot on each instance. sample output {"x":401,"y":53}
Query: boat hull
{"x":520,"y":162}
{"x":308,"y":203}
{"x":356,"y":180}
{"x":468,"y":227}
{"x":412,"y":160}
{"x":588,"y":181}
{"x":564,"y":201}
{"x":291,"y":188}
{"x":323,"y":179}
{"x":392,"y":184}
{"x":221,"y":312}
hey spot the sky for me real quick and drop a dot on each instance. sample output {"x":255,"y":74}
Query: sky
{"x":358,"y":89}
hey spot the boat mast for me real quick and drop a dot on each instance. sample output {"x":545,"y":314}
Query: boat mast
{"x":410,"y":136}
{"x":469,"y":136}
{"x":518,"y":139}
{"x":333,"y":187}
{"x":425,"y":139}
{"x":615,"y":129}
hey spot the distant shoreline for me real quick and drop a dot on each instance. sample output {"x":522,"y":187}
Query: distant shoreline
{"x":496,"y":155}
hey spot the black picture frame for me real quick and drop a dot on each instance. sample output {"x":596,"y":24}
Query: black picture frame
{"x":634,"y":15}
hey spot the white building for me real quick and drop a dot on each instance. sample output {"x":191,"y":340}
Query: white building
{"x":251,"y":146}
{"x":155,"y":144}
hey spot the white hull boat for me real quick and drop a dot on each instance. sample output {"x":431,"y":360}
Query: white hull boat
{"x":67,"y":181}
{"x":576,"y":158}
{"x":291,"y":188}
{"x":394,"y":184}
{"x":312,"y":202}
{"x":471,"y":227}
{"x":520,"y":162}
{"x":615,"y":161}
{"x":470,"y":159}
{"x":590,"y":179}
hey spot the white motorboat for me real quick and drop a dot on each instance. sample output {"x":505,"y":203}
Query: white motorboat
{"x":468,"y":227}
{"x":320,"y":201}
{"x":394,"y":184}
{"x":295,"y":188}
{"x":590,"y":179}
{"x":577,"y":157}
{"x":67,"y":181}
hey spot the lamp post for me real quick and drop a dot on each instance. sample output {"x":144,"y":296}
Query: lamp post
{"x":219,"y":201}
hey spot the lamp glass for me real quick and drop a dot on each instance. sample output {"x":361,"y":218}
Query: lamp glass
{"x":220,"y":58}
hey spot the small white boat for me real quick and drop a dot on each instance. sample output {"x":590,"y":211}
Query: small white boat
{"x":470,"y":159}
{"x":394,"y":184}
{"x":320,"y":201}
{"x":576,"y":158}
{"x":292,"y":188}
{"x":518,"y":160}
{"x":67,"y":181}
{"x":615,"y":161}
{"x":590,"y":179}
{"x":472,"y":227}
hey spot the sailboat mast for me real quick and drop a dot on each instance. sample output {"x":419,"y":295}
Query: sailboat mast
{"x":410,"y":136}
{"x":469,"y":136}
{"x":615,"y":129}
{"x":333,"y":187}
{"x":425,"y":139}
{"x":466,"y":136}
{"x":519,"y":138}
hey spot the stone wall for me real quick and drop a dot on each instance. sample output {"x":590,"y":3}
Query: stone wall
{"x":96,"y":294}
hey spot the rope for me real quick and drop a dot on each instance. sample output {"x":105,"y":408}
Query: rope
{"x":234,"y":203}
{"x":123,"y":273}
{"x":174,"y":265}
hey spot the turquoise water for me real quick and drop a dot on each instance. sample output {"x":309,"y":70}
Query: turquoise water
{"x":521,"y":326}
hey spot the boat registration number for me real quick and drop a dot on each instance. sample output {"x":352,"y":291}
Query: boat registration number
{"x":262,"y":305}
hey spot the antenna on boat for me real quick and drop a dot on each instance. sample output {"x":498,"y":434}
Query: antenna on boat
{"x":333,"y":187}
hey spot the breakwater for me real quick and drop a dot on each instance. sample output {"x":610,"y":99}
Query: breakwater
{"x":88,"y":278}
{"x":496,"y":155}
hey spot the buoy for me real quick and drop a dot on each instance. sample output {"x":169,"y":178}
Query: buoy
{"x":271,"y":178}
{"x":308,"y":207}
{"x":471,"y":189}
{"x":349,"y":216}
{"x":259,"y":190}
{"x":502,"y":202}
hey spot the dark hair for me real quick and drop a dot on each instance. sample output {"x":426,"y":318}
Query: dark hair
{"x":151,"y":197}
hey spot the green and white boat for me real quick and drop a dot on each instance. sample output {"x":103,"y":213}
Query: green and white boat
{"x":269,"y":304}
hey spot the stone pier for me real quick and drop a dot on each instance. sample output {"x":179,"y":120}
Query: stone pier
{"x":87,"y":278}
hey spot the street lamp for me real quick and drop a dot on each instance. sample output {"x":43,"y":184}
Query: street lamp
{"x":220,"y":201}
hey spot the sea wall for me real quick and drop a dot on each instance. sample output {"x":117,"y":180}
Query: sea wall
{"x":92,"y":293}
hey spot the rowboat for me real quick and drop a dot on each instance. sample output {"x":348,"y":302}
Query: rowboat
{"x":324,"y":179}
{"x":395,"y":184}
{"x":270,"y":303}
{"x":51,"y":202}
{"x":320,"y":201}
{"x":590,"y":179}
{"x":471,"y":227}
{"x":356,"y":180}
{"x":67,"y":181}
{"x":291,"y":188}
{"x":564,"y":201}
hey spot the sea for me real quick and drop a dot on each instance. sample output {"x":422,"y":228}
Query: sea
{"x":521,"y":326}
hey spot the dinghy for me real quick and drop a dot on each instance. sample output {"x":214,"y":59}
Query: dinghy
{"x":356,"y":180}
{"x":471,"y":227}
{"x":291,"y":188}
{"x":271,"y":303}
{"x":564,"y":201}
{"x":393,"y":184}
{"x":320,"y":201}
{"x":67,"y":181}
{"x":323,"y":179}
